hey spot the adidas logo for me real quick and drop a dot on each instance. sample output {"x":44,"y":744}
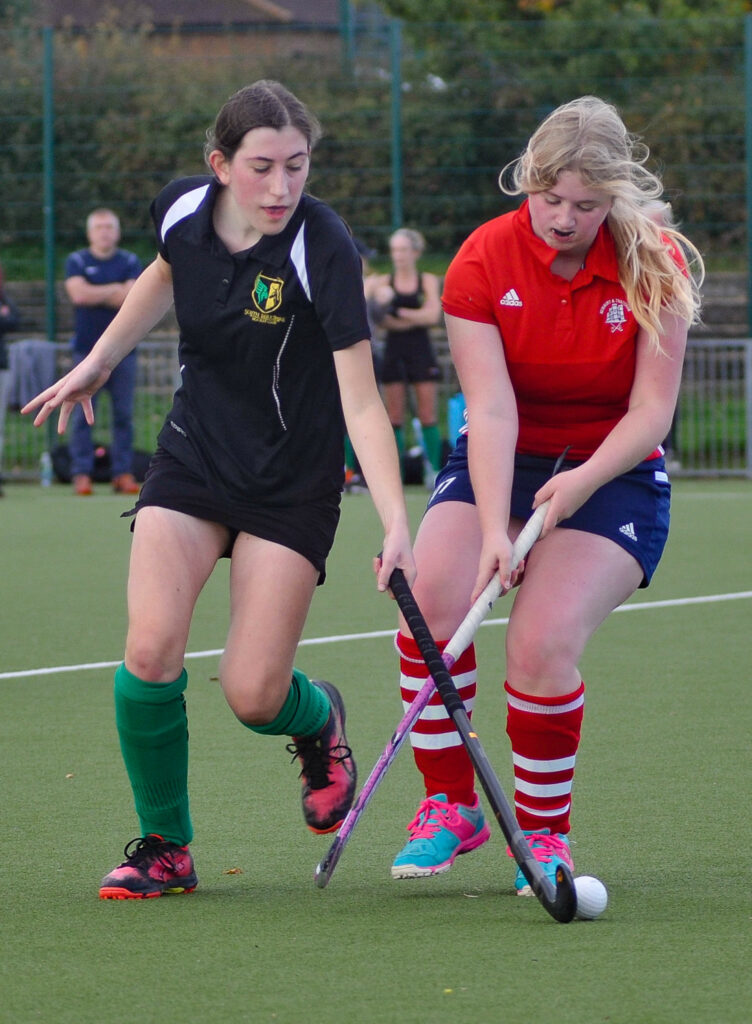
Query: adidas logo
{"x":510,"y":298}
{"x":629,"y":531}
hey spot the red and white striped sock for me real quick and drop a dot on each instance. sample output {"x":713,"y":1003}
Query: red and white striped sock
{"x":437,"y":747}
{"x":545,"y":735}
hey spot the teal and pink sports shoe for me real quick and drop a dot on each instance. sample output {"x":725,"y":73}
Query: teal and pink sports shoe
{"x":152,"y":866}
{"x":550,"y":851}
{"x":439,"y":832}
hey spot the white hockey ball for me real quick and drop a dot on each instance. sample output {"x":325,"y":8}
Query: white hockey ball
{"x":592,"y":897}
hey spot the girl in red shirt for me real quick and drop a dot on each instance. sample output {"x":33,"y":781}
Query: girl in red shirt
{"x":567,"y":322}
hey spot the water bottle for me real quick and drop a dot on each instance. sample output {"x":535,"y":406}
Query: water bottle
{"x":45,"y":469}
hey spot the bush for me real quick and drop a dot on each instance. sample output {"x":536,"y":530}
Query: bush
{"x":132,"y":107}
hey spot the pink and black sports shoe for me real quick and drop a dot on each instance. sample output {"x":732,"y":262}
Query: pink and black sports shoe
{"x":328,"y":768}
{"x":152,"y":866}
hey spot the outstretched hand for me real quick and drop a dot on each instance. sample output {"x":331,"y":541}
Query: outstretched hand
{"x":76,"y":388}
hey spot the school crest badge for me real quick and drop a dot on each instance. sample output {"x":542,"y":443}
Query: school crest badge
{"x":267,"y":293}
{"x":614,"y":311}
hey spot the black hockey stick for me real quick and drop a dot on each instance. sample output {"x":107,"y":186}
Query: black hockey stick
{"x":460,"y":641}
{"x":560,"y":900}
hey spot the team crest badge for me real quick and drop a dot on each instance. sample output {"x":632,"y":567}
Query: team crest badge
{"x":615,"y":312}
{"x":267,"y":293}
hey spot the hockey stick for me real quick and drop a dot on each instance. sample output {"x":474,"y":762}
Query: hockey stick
{"x":560,"y":900}
{"x":459,"y":643}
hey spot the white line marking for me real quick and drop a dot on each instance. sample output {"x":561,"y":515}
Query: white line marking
{"x":640,"y":606}
{"x":679,"y":495}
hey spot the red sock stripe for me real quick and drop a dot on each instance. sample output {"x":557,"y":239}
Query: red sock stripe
{"x":437,"y":747}
{"x":410,"y":654}
{"x":545,"y":735}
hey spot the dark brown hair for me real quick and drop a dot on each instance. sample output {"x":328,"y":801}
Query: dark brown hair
{"x":264,"y":104}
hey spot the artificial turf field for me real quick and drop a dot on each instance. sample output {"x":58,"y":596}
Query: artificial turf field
{"x":661,"y":807}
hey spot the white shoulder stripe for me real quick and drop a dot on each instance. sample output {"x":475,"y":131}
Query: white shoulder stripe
{"x":183,"y":207}
{"x":297,"y":255}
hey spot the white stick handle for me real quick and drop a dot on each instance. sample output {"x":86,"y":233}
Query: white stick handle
{"x":528,"y":535}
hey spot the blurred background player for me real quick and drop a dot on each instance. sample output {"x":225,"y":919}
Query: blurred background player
{"x":404,"y":304}
{"x":97,"y":280}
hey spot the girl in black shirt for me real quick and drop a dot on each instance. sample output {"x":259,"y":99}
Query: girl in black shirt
{"x":275,"y":361}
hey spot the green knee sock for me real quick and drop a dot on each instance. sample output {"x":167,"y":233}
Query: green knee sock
{"x":432,"y":442}
{"x":399,"y":437}
{"x":304,"y":713}
{"x":153,"y":730}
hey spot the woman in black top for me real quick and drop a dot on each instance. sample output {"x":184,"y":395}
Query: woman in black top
{"x":274,"y":349}
{"x":405,"y":304}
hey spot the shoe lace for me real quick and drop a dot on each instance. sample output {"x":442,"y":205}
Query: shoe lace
{"x":317,"y":758}
{"x":144,"y":850}
{"x":432,"y":816}
{"x":544,"y":847}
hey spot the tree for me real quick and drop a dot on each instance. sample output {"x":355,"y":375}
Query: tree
{"x":507,"y":10}
{"x":10,"y":9}
{"x":455,"y":10}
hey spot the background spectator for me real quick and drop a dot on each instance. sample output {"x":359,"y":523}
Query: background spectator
{"x":405,"y":303}
{"x":97,"y":280}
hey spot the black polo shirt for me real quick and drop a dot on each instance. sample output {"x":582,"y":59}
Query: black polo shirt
{"x":258,"y":413}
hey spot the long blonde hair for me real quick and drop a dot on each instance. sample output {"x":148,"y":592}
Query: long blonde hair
{"x":589,"y":137}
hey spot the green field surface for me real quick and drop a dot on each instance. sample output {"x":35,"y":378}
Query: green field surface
{"x":661,"y":806}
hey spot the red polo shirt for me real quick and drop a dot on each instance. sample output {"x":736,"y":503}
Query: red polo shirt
{"x":569,"y":345}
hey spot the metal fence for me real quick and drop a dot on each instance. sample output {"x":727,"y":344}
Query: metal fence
{"x":35,"y":363}
{"x":711,"y":434}
{"x":713,"y":426}
{"x":417,"y":120}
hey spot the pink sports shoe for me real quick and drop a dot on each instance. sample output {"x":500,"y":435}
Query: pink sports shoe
{"x":328,"y":768}
{"x":152,"y":866}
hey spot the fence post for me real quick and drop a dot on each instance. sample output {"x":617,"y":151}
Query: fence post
{"x":748,"y":156}
{"x":395,"y":60}
{"x":348,"y":39}
{"x":748,"y":405}
{"x":48,"y":133}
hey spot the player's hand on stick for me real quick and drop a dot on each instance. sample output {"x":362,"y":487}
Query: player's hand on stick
{"x":500,"y":556}
{"x":75,"y":388}
{"x":565,"y":492}
{"x":397,"y":553}
{"x":495,"y":559}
